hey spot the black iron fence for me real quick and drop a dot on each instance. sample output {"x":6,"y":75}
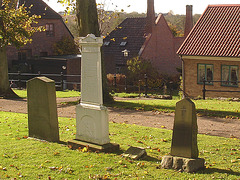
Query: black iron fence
{"x":18,"y":80}
{"x":62,"y":82}
{"x":141,"y":87}
{"x":204,"y":90}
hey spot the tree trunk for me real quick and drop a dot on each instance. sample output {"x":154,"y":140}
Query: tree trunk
{"x":87,"y":19}
{"x":5,"y":90}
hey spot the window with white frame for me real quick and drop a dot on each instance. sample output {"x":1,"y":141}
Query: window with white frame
{"x":205,"y":72}
{"x":229,"y":75}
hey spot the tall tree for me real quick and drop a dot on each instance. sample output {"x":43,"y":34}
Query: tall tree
{"x":15,"y":29}
{"x":87,"y":18}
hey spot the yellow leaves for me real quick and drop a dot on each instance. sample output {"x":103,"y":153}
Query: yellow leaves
{"x":56,"y":153}
{"x":124,"y":38}
{"x":163,"y":140}
{"x":113,"y":39}
{"x":85,"y":149}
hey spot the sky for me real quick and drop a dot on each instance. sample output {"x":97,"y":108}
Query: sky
{"x":161,"y":6}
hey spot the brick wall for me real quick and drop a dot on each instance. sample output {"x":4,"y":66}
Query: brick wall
{"x":194,"y":90}
{"x":41,"y":42}
{"x":161,"y":48}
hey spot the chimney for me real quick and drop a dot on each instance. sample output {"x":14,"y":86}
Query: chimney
{"x":150,"y":20}
{"x":189,"y":20}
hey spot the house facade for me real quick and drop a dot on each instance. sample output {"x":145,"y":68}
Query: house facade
{"x":149,"y":38}
{"x":42,"y":44}
{"x":211,"y":52}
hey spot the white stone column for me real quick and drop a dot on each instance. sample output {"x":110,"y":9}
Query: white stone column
{"x":92,"y":117}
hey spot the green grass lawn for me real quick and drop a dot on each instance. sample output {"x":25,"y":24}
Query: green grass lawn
{"x":208,"y":107}
{"x":24,"y":158}
{"x":59,"y":94}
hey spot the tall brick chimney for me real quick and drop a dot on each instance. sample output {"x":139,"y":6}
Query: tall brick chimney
{"x":189,"y":20}
{"x":150,"y":20}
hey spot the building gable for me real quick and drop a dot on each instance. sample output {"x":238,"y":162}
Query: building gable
{"x":159,"y":48}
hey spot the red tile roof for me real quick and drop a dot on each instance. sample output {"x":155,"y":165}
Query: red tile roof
{"x":217,"y":33}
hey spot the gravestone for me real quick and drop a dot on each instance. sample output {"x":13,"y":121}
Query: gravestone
{"x":42,"y":109}
{"x":92,"y":124}
{"x":185,"y":130}
{"x":184,"y":149}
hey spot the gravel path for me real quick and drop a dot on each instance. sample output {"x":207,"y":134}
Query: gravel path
{"x":206,"y":125}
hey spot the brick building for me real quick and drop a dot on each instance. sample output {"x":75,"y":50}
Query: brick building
{"x":42,"y":44}
{"x":149,"y":38}
{"x":212,"y":52}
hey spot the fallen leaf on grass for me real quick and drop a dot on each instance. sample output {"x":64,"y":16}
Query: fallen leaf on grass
{"x":56,"y":153}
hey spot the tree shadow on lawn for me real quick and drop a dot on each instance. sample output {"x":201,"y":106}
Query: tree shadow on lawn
{"x":215,"y":113}
{"x":222,"y":171}
{"x":162,"y":108}
{"x":171,"y":109}
{"x":139,"y":106}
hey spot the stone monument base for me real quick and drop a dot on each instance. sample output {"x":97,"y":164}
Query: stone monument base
{"x":185,"y":164}
{"x":109,"y":147}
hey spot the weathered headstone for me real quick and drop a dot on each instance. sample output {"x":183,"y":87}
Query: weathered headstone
{"x":42,"y":109}
{"x":92,"y":117}
{"x":185,"y":130}
{"x":184,"y":149}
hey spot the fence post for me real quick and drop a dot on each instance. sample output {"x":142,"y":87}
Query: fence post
{"x":62,"y":81}
{"x":146,"y":84}
{"x":115,"y":83}
{"x":204,"y":89}
{"x":125,"y":84}
{"x":139,"y":88}
{"x":19,"y":80}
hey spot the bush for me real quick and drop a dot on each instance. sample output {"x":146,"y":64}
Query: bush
{"x":120,"y":81}
{"x":65,"y":46}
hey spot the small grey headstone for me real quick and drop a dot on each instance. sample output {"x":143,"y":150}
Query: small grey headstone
{"x":184,"y":139}
{"x":135,"y":152}
{"x":42,"y":109}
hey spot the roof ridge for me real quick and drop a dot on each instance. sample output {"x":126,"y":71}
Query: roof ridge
{"x":223,"y":5}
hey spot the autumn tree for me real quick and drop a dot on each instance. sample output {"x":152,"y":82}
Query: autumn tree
{"x":15,"y":29}
{"x":65,"y":46}
{"x":138,"y":67}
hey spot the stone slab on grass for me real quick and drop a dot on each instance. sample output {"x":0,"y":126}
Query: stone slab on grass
{"x":135,"y":152}
{"x":78,"y":144}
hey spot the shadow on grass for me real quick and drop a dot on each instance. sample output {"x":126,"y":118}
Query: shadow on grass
{"x":222,"y":171}
{"x":139,"y":106}
{"x":215,"y":113}
{"x":149,"y":158}
{"x":162,"y":108}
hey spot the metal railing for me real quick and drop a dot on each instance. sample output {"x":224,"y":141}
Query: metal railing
{"x":20,"y":79}
{"x":204,"y":90}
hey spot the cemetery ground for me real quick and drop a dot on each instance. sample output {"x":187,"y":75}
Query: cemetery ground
{"x":26,"y":158}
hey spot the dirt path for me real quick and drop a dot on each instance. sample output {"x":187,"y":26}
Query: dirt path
{"x":206,"y":125}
